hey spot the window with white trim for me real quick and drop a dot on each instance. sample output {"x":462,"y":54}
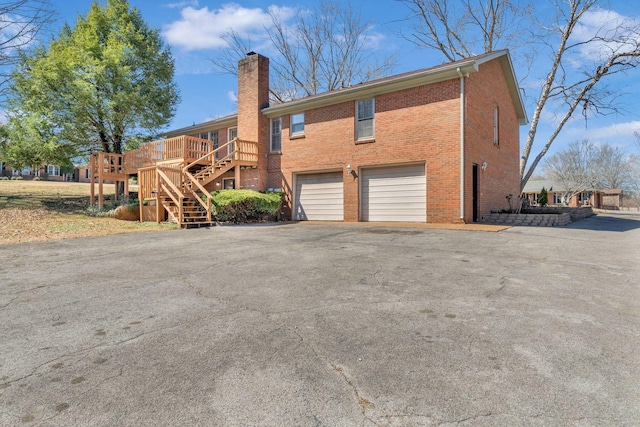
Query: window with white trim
{"x":364,"y":119}
{"x":496,"y":125}
{"x":26,"y":170}
{"x":232,"y":134}
{"x":557,"y":198}
{"x":276,"y":135}
{"x":53,"y":170}
{"x":297,"y":124}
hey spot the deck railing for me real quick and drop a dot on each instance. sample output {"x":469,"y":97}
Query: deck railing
{"x":236,"y":149}
{"x":185,"y":148}
{"x":107,"y":163}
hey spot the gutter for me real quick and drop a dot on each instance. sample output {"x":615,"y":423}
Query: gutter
{"x":462,"y":119}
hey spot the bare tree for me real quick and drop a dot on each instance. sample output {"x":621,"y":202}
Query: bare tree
{"x":465,"y":28}
{"x":615,"y":169}
{"x":585,"y":166}
{"x":322,"y":50}
{"x":574,"y":168}
{"x":613,"y":48}
{"x":20,"y":23}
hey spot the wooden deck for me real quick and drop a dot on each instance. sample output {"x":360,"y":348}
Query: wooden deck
{"x":173,"y":174}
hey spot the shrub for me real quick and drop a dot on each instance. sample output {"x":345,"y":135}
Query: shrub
{"x":242,"y":206}
{"x":543,"y":198}
{"x":19,"y":178}
{"x":4,"y":178}
{"x":37,"y":178}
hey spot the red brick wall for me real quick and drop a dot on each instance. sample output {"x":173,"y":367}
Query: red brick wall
{"x":484,"y":90}
{"x":253,"y":95}
{"x":414,"y":125}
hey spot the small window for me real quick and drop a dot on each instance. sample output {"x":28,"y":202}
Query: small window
{"x":86,"y":173}
{"x":53,"y":170}
{"x":276,"y":135}
{"x":297,"y":124}
{"x":496,"y":126}
{"x":229,"y":183}
{"x":364,"y":119}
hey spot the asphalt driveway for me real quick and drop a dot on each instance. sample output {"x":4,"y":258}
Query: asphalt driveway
{"x":322,"y":325}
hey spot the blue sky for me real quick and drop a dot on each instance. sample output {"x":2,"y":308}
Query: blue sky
{"x":192,"y":29}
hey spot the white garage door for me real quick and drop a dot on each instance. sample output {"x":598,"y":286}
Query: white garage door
{"x":397,"y":193}
{"x":319,"y":197}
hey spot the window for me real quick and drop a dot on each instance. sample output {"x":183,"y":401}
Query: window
{"x":53,"y":170}
{"x":229,"y":183}
{"x":86,"y":173}
{"x":297,"y":124}
{"x":276,"y":135}
{"x":585,"y":197}
{"x":557,"y":198}
{"x":26,"y":170}
{"x":364,"y":119}
{"x":213,"y":136}
{"x":233,"y":134}
{"x":496,"y":117}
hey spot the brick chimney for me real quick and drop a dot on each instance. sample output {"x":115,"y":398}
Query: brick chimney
{"x":253,"y":96}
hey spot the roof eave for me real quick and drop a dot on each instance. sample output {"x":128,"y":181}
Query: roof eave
{"x":372,"y":89}
{"x":222,"y":122}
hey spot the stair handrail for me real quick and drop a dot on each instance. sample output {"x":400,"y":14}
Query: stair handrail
{"x":213,"y":152}
{"x":172,"y":187}
{"x":206,"y":205}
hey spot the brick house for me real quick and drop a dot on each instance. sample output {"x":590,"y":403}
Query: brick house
{"x":45,"y":172}
{"x":434,"y":145}
{"x":596,"y":198}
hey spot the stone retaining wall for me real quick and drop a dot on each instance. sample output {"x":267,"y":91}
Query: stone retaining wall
{"x":545,"y":217}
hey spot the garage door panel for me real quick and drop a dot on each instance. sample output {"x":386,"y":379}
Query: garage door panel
{"x":395,"y":193}
{"x":319,"y":197}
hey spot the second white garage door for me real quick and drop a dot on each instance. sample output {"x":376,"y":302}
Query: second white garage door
{"x":397,"y":193}
{"x":320,"y":197}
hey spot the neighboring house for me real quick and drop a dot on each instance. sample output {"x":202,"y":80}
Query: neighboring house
{"x":82,"y":173}
{"x":597,"y":198}
{"x":434,"y":145}
{"x":47,"y":172}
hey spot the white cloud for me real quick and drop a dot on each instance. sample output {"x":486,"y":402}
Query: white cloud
{"x":202,"y":28}
{"x":182,"y":4}
{"x":610,"y":132}
{"x":232,"y":96}
{"x":15,"y":32}
{"x":373,"y":41}
{"x":605,"y":31}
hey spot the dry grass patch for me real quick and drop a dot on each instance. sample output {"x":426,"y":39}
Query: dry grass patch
{"x":34,"y":211}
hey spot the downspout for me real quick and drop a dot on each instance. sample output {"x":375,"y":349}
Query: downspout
{"x":462,"y":117}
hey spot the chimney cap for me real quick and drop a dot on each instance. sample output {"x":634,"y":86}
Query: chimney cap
{"x":251,"y":53}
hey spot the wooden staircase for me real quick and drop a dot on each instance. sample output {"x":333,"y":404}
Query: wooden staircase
{"x":189,"y":213}
{"x":181,"y":190}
